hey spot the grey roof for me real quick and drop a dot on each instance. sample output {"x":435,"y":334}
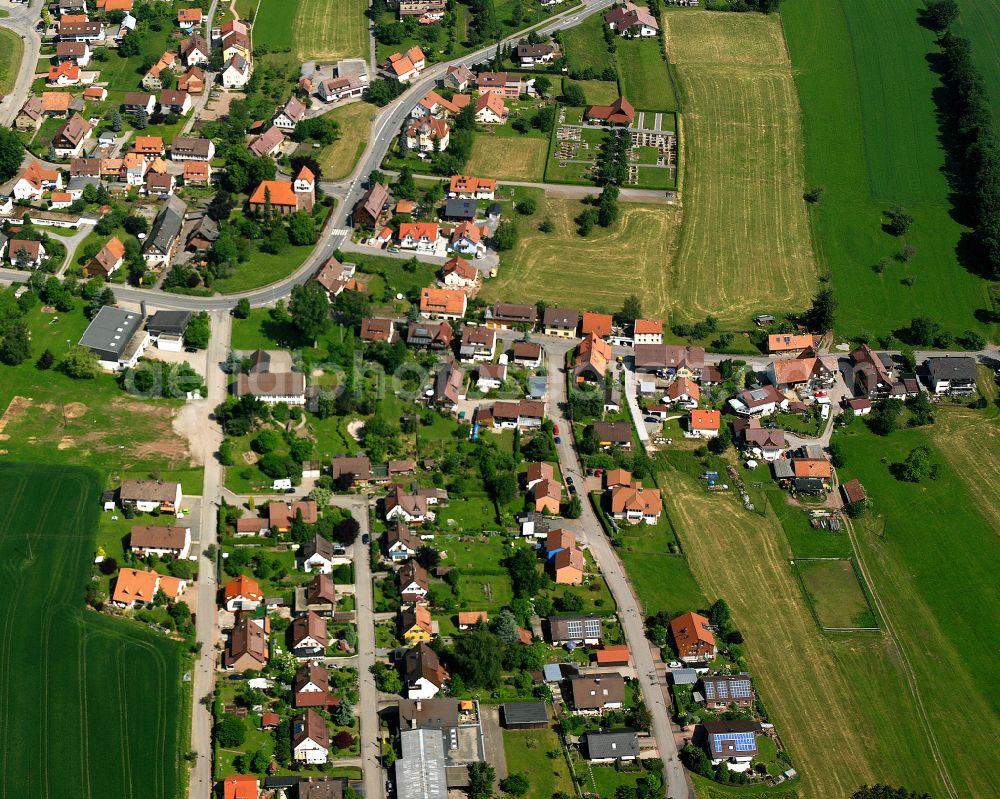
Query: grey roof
{"x":110,"y":332}
{"x":167,"y":226}
{"x":433,"y":714}
{"x":171,"y":323}
{"x":684,"y":676}
{"x":959,"y":368}
{"x":420,"y":772}
{"x":515,"y":713}
{"x":551,"y":672}
{"x":560,"y":317}
{"x":783,"y":469}
{"x":460,"y":209}
{"x":612,"y":744}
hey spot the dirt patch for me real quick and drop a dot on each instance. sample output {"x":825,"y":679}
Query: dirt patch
{"x":317,"y":373}
{"x":66,"y":442}
{"x":354,"y":428}
{"x":74,"y":410}
{"x":250,"y":458}
{"x":17,"y":405}
{"x":189,"y":423}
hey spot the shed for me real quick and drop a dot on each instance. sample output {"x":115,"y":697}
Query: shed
{"x":684,"y":676}
{"x":783,"y":469}
{"x":525,"y":715}
{"x":552,"y":672}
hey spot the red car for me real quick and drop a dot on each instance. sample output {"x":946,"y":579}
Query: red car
{"x":555,"y":429}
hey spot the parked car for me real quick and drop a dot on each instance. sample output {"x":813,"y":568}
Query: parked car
{"x":569,"y":479}
{"x":555,"y":429}
{"x":572,"y":488}
{"x":558,"y":440}
{"x":824,"y":411}
{"x":366,"y":539}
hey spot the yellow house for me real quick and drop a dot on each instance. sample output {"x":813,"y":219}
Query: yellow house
{"x":415,"y":625}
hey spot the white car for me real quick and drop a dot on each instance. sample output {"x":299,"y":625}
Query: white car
{"x":824,"y":412}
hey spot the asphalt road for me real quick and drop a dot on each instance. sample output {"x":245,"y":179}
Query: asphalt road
{"x":22,"y":21}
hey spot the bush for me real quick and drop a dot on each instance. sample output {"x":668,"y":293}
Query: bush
{"x":231,"y":731}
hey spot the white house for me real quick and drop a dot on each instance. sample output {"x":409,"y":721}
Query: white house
{"x":35,"y":180}
{"x":156,"y":539}
{"x":289,"y":115}
{"x":732,"y":742}
{"x":310,"y":738}
{"x":423,"y":673}
{"x":460,"y":274}
{"x":420,"y":236}
{"x":491,"y":109}
{"x":236,"y":73}
{"x":316,"y":555}
{"x":758,"y":402}
{"x":150,"y":495}
{"x":491,"y":376}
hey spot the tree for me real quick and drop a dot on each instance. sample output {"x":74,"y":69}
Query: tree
{"x":573,"y":94}
{"x":481,"y":778}
{"x":838,"y":456}
{"x":884,"y":417}
{"x":921,"y":410}
{"x":476,"y":656}
{"x":196,"y":334}
{"x":527,"y":206}
{"x":547,"y":225}
{"x":574,"y":509}
{"x":45,"y":360}
{"x":428,"y":557}
{"x":310,"y":309}
{"x":301,"y":229}
{"x":129,"y":45}
{"x":824,"y":306}
{"x":387,"y":679}
{"x":242,"y":309}
{"x":231,"y":731}
{"x":346,"y":531}
{"x":15,"y":348}
{"x":80,"y":364}
{"x":939,"y":14}
{"x":140,"y":119}
{"x":505,"y":628}
{"x":405,"y":186}
{"x":917,"y":465}
{"x":814,"y":195}
{"x":922,"y":331}
{"x":515,"y":784}
{"x":899,"y":221}
{"x":527,"y":580}
{"x":221,"y":206}
{"x":631,"y":310}
{"x":505,"y":236}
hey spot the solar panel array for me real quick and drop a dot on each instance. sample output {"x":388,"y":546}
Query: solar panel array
{"x":720,"y":690}
{"x":741,"y":741}
{"x":592,"y":627}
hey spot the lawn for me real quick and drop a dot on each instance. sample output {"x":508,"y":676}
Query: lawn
{"x":85,"y":422}
{"x":338,"y":159}
{"x":805,"y":540}
{"x":634,"y":255}
{"x":262,"y":269}
{"x":867,"y":69}
{"x":930,"y":550}
{"x":12,"y":49}
{"x":527,"y":751}
{"x":833,"y":699}
{"x":745,"y":246}
{"x":836,"y":595}
{"x":585,"y":47}
{"x":74,"y":709}
{"x":329,"y":31}
{"x":645,"y":78}
{"x":599,"y":92}
{"x":509,"y":158}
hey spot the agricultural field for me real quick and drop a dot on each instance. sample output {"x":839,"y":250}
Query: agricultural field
{"x":338,"y":159}
{"x":274,"y":24}
{"x":70,"y":678}
{"x":545,"y":266}
{"x":835,"y":593}
{"x":329,"y":31}
{"x":11,"y":52}
{"x":834,"y":699}
{"x":980,"y":23}
{"x":644,"y":75}
{"x":743,"y":163}
{"x":929,"y":550}
{"x":867,"y":69}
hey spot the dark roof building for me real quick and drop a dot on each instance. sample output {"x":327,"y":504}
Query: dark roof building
{"x":168,"y":323}
{"x":525,"y":715}
{"x":603,"y":747}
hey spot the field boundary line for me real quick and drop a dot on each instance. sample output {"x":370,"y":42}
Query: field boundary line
{"x":911,"y":679}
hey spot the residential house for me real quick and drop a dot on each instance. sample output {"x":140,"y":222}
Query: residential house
{"x":372,"y":205}
{"x":597,"y":324}
{"x":561,"y":322}
{"x":269,"y":143}
{"x":546,"y":496}
{"x":77,"y":28}
{"x":149,"y":147}
{"x":592,"y":358}
{"x":723,"y":691}
{"x":415,"y":624}
{"x":470,"y":618}
{"x":457,"y":78}
{"x":107,"y":261}
{"x":443,"y":303}
{"x":469,"y":238}
{"x":31,"y":115}
{"x":334,"y":276}
{"x":423,"y":674}
{"x":611,"y":746}
{"x":422,"y":237}
{"x":537,"y":472}
{"x":56,"y":104}
{"x":647,"y":331}
{"x":308,"y":637}
{"x":459,"y":210}
{"x":192,"y":149}
{"x":705,"y":423}
{"x":806,"y":371}
{"x":761,"y":401}
{"x":530,"y":55}
{"x":693,"y":639}
{"x":528,"y":354}
{"x":434,"y":104}
{"x":449,"y":385}
{"x":429,"y":335}
{"x":783,"y":343}
{"x":491,"y":109}
{"x":164,"y":238}
{"x":175,"y":102}
{"x":954,"y":376}
{"x":635,"y":503}
{"x":149,"y":496}
{"x":613,"y":655}
{"x":96,"y":94}
{"x":195,"y":50}
{"x":400,"y":543}
{"x":767,"y":442}
{"x":320,"y":595}
{"x":241,"y":786}
{"x":236,"y":72}
{"x":459,"y":274}
{"x":72,"y":7}
{"x":490,"y":376}
{"x":596,"y":693}
{"x":522,"y":415}
{"x":69,"y":139}
{"x":153,"y":79}
{"x":26,"y":253}
{"x":477,"y":343}
{"x":138,"y":101}
{"x":567,"y":566}
{"x":467,"y":187}
{"x":280,"y":515}
{"x":289,"y":115}
{"x":818,"y":468}
{"x":316,"y":555}
{"x":630,"y":20}
{"x":670,"y":359}
{"x":205,"y":231}
{"x":408,"y":508}
{"x":311,"y":687}
{"x":135,"y":588}
{"x":404,"y":67}
{"x":505,"y":84}
{"x":378,"y":330}
{"x":164,"y":541}
{"x":333,"y":90}
{"x":248,"y":645}
{"x":427,"y":135}
{"x":575,"y":629}
{"x":620,"y":112}
{"x":732,"y":742}
{"x":613,"y":434}
{"x":505,"y":315}
{"x":74,"y":52}
{"x":159,"y":185}
{"x":683,"y":391}
{"x":188,"y":18}
{"x":310,"y":738}
{"x":242,"y":593}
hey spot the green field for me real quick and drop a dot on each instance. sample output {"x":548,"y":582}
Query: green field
{"x":584,"y":45}
{"x":330,"y":30}
{"x":744,"y":246}
{"x":88,"y":701}
{"x":11,"y":52}
{"x":338,"y":159}
{"x":931,"y":549}
{"x":980,"y":23}
{"x":274,"y":25}
{"x":599,"y":92}
{"x":645,"y":80}
{"x":835,"y":593}
{"x":528,"y":751}
{"x":865,"y":67}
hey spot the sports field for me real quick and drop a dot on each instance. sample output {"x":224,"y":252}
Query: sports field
{"x":931,"y":550}
{"x":645,"y":80}
{"x":865,"y":86}
{"x":596,"y":271}
{"x":329,"y":30}
{"x":90,"y":706}
{"x":744,"y":246}
{"x":338,"y":159}
{"x":834,"y":700}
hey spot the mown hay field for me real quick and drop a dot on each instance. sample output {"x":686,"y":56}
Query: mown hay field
{"x":509,"y":158}
{"x":744,"y":246}
{"x":644,"y":76}
{"x":90,"y":706}
{"x":329,"y":30}
{"x":833,"y":699}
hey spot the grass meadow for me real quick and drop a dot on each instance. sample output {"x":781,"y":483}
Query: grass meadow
{"x":980,"y":23}
{"x":835,"y":593}
{"x":834,"y":699}
{"x":274,"y":24}
{"x":338,"y":159}
{"x":930,"y":550}
{"x":329,"y":31}
{"x":865,"y":87}
{"x":87,"y":701}
{"x":645,"y":79}
{"x":527,"y":752}
{"x":585,"y":47}
{"x":744,"y":246}
{"x":11,"y":52}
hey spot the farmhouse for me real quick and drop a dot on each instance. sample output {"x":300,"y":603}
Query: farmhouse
{"x":874,"y":375}
{"x":152,"y":539}
{"x":694,"y":640}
